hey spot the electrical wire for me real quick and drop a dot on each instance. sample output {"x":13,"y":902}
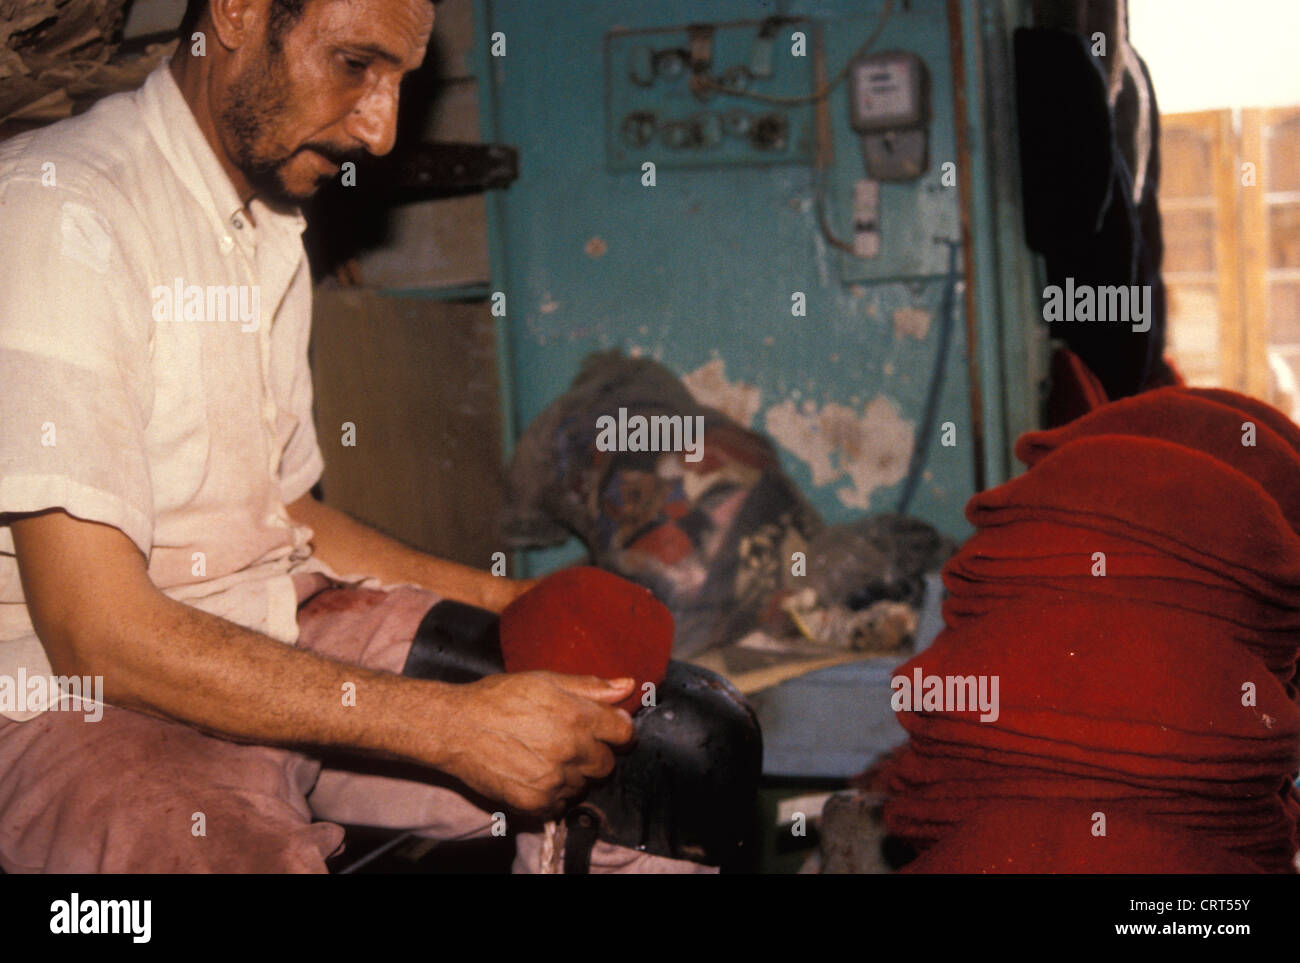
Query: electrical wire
{"x":822,"y":92}
{"x":947,"y":312}
{"x":404,"y":837}
{"x":823,"y":222}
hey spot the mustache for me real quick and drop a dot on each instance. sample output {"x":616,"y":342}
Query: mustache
{"x":336,"y":155}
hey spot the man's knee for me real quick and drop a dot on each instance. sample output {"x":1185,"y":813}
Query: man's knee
{"x":145,"y":826}
{"x":133,"y":794}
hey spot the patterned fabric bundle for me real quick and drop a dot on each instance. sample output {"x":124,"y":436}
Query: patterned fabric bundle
{"x":710,"y":533}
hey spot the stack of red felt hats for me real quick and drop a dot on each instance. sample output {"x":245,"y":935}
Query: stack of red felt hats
{"x":1137,"y":595}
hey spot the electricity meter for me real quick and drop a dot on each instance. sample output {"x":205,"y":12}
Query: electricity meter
{"x":889,"y":107}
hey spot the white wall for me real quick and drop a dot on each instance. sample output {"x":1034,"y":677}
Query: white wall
{"x":1207,"y":54}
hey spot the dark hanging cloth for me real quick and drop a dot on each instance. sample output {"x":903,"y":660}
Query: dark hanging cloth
{"x":1076,"y":162}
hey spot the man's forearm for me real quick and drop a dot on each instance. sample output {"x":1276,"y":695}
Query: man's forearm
{"x":527,"y":738}
{"x":208,"y":672}
{"x":350,"y":546}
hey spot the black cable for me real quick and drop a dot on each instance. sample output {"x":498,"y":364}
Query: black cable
{"x":921,"y":450}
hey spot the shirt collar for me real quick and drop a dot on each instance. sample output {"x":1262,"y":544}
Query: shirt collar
{"x":174,"y":129}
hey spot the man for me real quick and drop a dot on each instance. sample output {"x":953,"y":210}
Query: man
{"x":156,"y":457}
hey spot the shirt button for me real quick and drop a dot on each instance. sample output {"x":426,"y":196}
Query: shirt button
{"x":238,"y":222}
{"x":227,"y":244}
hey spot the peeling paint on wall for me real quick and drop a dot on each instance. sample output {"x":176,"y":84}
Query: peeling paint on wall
{"x":912,"y":322}
{"x":872,"y":449}
{"x":708,"y":384}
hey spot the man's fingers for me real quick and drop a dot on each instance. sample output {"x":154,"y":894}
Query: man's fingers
{"x":614,"y":727}
{"x":610,"y":725}
{"x":595,"y":688}
{"x":600,"y":764}
{"x":560,"y":735}
{"x":615,"y":690}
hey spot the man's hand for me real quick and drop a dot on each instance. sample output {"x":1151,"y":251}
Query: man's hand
{"x":349,"y":546}
{"x":534,"y":739}
{"x":530,"y":739}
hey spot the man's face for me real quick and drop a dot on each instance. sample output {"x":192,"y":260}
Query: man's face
{"x":292,"y":116}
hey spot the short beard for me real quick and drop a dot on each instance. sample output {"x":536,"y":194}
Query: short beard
{"x":257,"y":100}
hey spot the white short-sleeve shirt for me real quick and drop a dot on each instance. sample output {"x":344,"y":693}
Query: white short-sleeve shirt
{"x":153,"y":362}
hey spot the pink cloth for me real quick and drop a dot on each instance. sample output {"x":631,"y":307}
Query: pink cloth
{"x":123,"y":794}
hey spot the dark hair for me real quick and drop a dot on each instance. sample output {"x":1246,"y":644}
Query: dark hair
{"x":284,"y":14}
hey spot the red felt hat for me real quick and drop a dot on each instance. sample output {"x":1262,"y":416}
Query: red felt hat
{"x":586,"y":621}
{"x":1057,"y":837}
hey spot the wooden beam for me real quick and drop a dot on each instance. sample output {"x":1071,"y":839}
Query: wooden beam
{"x":1252,"y":246}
